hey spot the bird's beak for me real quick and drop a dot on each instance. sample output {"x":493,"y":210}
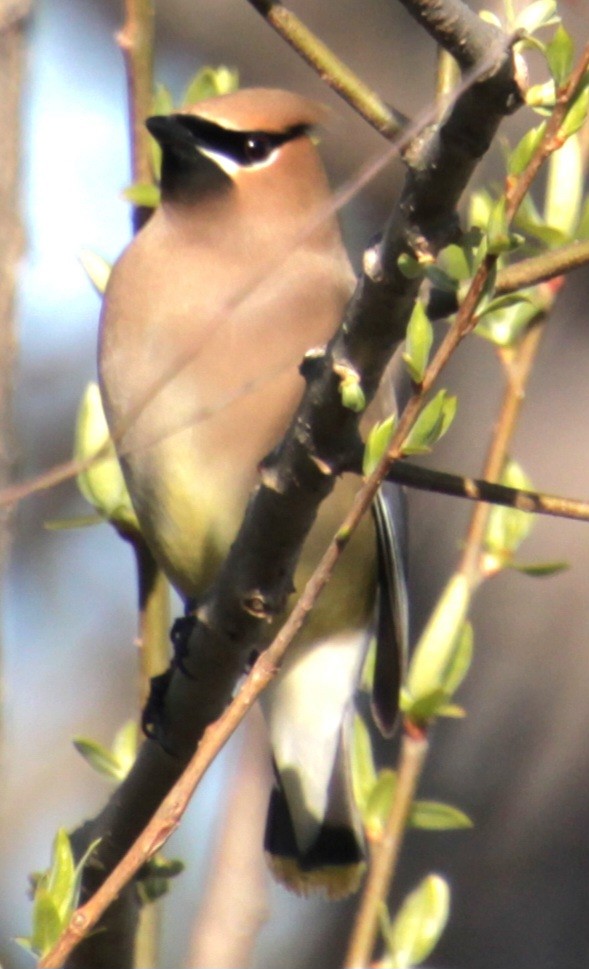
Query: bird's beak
{"x":169,"y":132}
{"x":189,"y":170}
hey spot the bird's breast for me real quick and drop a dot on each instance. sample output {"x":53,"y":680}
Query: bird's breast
{"x":199,"y":361}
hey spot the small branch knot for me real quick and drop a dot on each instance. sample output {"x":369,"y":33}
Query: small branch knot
{"x":255,"y":605}
{"x":372,"y":265}
{"x":312,"y":362}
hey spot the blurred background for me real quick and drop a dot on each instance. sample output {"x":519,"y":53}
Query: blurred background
{"x":519,"y":763}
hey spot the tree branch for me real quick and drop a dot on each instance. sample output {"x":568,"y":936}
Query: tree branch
{"x":538,"y":269}
{"x":414,"y":748}
{"x":330,"y":68}
{"x":12,"y":20}
{"x":517,"y":368}
{"x":136,"y":41}
{"x":479,"y":489}
{"x":457,"y":29}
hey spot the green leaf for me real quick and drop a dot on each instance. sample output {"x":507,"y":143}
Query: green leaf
{"x":577,"y":113}
{"x":504,"y":325}
{"x":77,"y":885}
{"x":410,"y":267}
{"x":448,"y":414}
{"x":459,"y":660}
{"x":61,"y":875}
{"x":490,"y":18}
{"x":155,"y":878}
{"x":362,"y":764}
{"x":443,"y":653}
{"x":529,"y":220}
{"x":426,"y":815}
{"x":583,"y":226}
{"x":101,"y":483}
{"x":451,"y":710}
{"x":542,"y":97}
{"x":99,"y":758}
{"x":144,"y":194}
{"x":420,"y":922}
{"x":378,"y":804}
{"x":350,"y":388}
{"x":498,"y":227}
{"x":503,"y":302}
{"x":210,"y":82}
{"x":96,"y":268}
{"x":47,"y":924}
{"x":500,"y":238}
{"x":56,"y":894}
{"x":539,"y":569}
{"x":508,"y":527}
{"x":559,"y":54}
{"x":435,"y":816}
{"x":367,"y":674}
{"x":377,"y":443}
{"x":418,"y":342}
{"x":161,"y":104}
{"x":541,"y":13}
{"x":447,"y":675}
{"x":162,"y":101}
{"x":564,"y":188}
{"x":433,"y":422}
{"x":24,"y":941}
{"x":522,"y":154}
{"x":440,"y":279}
{"x":125,"y":746}
{"x":424,"y":708}
{"x":480,"y":208}
{"x":458,"y":260}
{"x":116,"y":763}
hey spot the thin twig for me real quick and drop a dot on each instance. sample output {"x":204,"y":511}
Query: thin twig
{"x":553,"y":138}
{"x":136,"y":40}
{"x":479,"y":489}
{"x":517,"y":368}
{"x":13,"y":14}
{"x":384,"y":858}
{"x":225,"y":933}
{"x":547,"y":265}
{"x":330,"y":68}
{"x":12,"y":71}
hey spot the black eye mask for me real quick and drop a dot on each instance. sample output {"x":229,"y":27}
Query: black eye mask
{"x":243,"y":147}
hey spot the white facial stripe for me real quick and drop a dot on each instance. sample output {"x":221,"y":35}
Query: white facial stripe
{"x":231,"y":167}
{"x":226,"y":164}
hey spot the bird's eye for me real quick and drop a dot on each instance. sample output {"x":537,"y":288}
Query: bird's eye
{"x":257,"y":148}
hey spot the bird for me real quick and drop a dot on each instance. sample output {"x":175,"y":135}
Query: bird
{"x":207,"y":315}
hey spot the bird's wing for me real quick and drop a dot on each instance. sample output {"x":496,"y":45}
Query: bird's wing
{"x":389,"y":512}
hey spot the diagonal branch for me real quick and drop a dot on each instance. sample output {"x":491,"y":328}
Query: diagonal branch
{"x":457,"y":29}
{"x":330,"y":68}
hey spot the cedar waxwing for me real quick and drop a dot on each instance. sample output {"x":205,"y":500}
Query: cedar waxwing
{"x":206,"y":318}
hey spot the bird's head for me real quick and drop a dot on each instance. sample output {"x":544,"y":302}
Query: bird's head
{"x":254,"y":143}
